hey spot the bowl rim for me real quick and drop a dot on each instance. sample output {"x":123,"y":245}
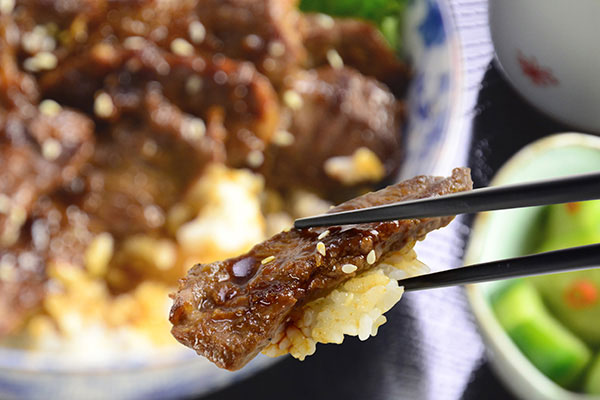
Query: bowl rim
{"x":514,"y":369}
{"x":454,"y":122}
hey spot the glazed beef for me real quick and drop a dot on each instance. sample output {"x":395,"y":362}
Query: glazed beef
{"x":17,"y":89}
{"x":228,"y":311}
{"x":138,"y":81}
{"x":38,"y":155}
{"x":359,"y":44}
{"x":133,"y":179}
{"x":337,"y":112}
{"x":265,"y":32}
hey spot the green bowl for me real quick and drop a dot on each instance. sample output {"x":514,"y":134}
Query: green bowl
{"x":509,"y":233}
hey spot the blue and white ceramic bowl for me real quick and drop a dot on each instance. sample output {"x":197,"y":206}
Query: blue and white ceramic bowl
{"x":433,"y":111}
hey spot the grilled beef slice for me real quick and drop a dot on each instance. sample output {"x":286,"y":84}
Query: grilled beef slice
{"x":228,"y":311}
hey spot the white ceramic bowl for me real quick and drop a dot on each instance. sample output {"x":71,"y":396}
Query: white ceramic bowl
{"x":434,"y":116}
{"x":550,"y":52}
{"x":503,"y":234}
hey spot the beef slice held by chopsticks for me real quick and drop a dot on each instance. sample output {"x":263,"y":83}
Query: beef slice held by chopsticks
{"x":228,"y":311}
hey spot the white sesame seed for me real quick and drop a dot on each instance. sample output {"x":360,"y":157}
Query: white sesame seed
{"x":46,"y":60}
{"x":137,"y":27}
{"x":371,"y":257}
{"x":220,"y":77}
{"x":51,"y":149}
{"x":154,"y":216}
{"x":269,"y":64}
{"x":323,"y":235}
{"x":321,"y":248}
{"x":292,"y":99}
{"x":193,"y":84}
{"x":30,"y":65}
{"x":149,"y":148}
{"x":39,"y":39}
{"x":334,"y":59}
{"x":134,"y":43}
{"x":193,"y":129}
{"x":283,"y":138}
{"x":182,"y":47}
{"x":267,"y":260}
{"x":103,"y":105}
{"x":159,"y":33}
{"x":163,"y":68}
{"x":325,"y":21}
{"x":349,"y":268}
{"x":276,"y":49}
{"x":253,"y":41}
{"x":49,"y":108}
{"x":41,"y":61}
{"x":255,"y":158}
{"x":197,"y":32}
{"x":6,"y":6}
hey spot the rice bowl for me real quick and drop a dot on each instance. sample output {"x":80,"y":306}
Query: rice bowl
{"x":160,"y":368}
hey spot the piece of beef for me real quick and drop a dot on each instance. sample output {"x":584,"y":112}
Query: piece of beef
{"x":38,"y":155}
{"x":337,"y":112}
{"x":265,"y":32}
{"x":359,"y":44}
{"x":17,"y":89}
{"x":229,"y":310}
{"x":133,"y":178}
{"x":197,"y":85}
{"x":60,"y":12}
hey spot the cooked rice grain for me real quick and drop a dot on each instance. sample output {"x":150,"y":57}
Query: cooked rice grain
{"x":356,"y":308}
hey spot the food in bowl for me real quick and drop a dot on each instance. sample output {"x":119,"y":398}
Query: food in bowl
{"x":553,"y":319}
{"x":509,"y":233}
{"x":140,"y":137}
{"x":305,"y":286}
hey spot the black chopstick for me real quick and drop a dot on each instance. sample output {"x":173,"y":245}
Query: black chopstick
{"x":570,"y":259}
{"x":552,"y":191}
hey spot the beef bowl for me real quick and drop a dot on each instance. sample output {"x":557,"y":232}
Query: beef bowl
{"x":140,"y":138}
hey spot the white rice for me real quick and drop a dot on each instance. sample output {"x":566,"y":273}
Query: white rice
{"x":356,"y":308}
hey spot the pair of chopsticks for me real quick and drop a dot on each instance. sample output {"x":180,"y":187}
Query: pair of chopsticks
{"x":552,"y":191}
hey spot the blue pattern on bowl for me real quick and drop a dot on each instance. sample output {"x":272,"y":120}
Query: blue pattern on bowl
{"x":432,"y":27}
{"x":433,"y":111}
{"x":430,"y":44}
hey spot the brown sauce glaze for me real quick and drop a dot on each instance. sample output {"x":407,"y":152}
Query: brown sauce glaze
{"x":229,"y":320}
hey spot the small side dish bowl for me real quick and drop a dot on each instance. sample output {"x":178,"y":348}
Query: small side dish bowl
{"x":549,"y":51}
{"x":504,"y":234}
